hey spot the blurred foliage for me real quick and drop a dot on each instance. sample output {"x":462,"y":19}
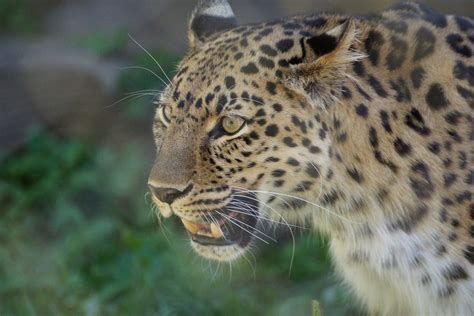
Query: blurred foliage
{"x":104,"y":43}
{"x":78,"y":237}
{"x":22,"y":16}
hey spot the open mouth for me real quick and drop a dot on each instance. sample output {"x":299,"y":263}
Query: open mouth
{"x":231,"y":225}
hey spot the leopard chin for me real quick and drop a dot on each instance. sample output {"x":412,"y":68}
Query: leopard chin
{"x":219,"y":253}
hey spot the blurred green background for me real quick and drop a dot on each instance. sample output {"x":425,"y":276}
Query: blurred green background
{"x":77,"y":231}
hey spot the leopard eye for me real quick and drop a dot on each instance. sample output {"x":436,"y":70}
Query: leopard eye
{"x":165,"y":114}
{"x":232,"y":124}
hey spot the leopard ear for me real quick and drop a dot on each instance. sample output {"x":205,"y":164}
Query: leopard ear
{"x":209,"y":17}
{"x":320,"y":73}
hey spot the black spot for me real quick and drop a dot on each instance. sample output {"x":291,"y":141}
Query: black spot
{"x":464,"y":24}
{"x":434,"y":147}
{"x":446,"y":291}
{"x":443,"y":215}
{"x":425,"y":43}
{"x":238,"y":56}
{"x":341,"y":138}
{"x":251,"y":68}
{"x":312,"y":170}
{"x":355,"y":175}
{"x":420,"y":181}
{"x":346,"y":93}
{"x":397,"y":54}
{"x":292,"y":162}
{"x":362,"y":110}
{"x":277,"y":107}
{"x":278,"y":173}
{"x":314,"y":149}
{"x":198,"y":103}
{"x":229,"y":82}
{"x":415,"y":121}
{"x":291,"y":25}
{"x":330,"y":198}
{"x":396,"y":26}
{"x":266,"y":62}
{"x":271,"y":87}
{"x":221,"y":103}
{"x":359,"y":68}
{"x":373,"y":43}
{"x":289,"y":142}
{"x":363,"y":93}
{"x":456,"y":43}
{"x":417,"y":75}
{"x":209,"y":98}
{"x":449,"y":179}
{"x":454,"y":136}
{"x":467,"y":95}
{"x":322,"y":44}
{"x":279,"y":183}
{"x":271,"y":130}
{"x":322,"y":134}
{"x":410,"y":220}
{"x":455,"y":272}
{"x":268,"y":50}
{"x":401,"y":147}
{"x":265,"y":32}
{"x":377,"y":86}
{"x":385,"y":121}
{"x":299,"y":123}
{"x":436,"y":98}
{"x":374,"y":140}
{"x":462,"y":72}
{"x":316,"y":22}
{"x":284,"y":45}
{"x":453,"y":117}
{"x":403,"y":93}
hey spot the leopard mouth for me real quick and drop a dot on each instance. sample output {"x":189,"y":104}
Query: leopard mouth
{"x":231,"y":225}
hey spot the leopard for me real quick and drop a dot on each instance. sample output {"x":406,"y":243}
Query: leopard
{"x":360,"y":127}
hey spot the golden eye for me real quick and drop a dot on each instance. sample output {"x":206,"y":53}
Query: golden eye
{"x":232,"y":124}
{"x":165,"y":114}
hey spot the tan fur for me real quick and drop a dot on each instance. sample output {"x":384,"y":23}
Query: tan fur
{"x":365,"y":150}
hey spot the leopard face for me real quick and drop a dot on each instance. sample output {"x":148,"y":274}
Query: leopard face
{"x":233,"y":154}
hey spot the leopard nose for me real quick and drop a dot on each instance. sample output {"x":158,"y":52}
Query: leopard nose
{"x":168,"y":195}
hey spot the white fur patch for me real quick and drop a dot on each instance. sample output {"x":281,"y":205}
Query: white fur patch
{"x":221,"y":9}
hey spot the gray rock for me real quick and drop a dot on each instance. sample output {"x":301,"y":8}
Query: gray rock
{"x":45,"y":84}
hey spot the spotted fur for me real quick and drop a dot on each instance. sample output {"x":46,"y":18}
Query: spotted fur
{"x":369,"y":118}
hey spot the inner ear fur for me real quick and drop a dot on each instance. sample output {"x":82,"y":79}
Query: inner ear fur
{"x":322,"y":70}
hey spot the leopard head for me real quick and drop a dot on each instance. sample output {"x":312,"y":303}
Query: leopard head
{"x":239,"y":136}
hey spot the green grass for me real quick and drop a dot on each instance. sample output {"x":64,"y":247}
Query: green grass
{"x":20,"y":16}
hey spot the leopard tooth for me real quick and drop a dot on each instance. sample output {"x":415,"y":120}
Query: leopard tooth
{"x":216,"y":231}
{"x":193,"y":228}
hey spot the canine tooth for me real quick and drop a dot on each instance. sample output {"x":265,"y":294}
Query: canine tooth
{"x":216,"y":231}
{"x":193,"y":228}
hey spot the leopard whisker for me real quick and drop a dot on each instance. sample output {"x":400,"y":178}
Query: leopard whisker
{"x":152,"y":57}
{"x":304,"y":200}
